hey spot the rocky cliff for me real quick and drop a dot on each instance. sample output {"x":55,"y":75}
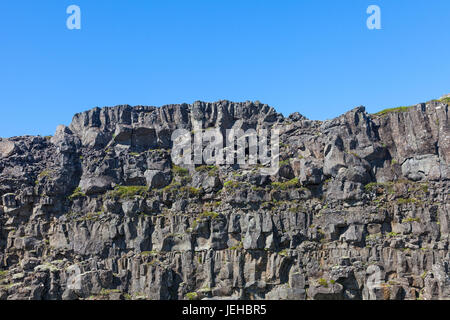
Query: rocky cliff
{"x":359,"y":208}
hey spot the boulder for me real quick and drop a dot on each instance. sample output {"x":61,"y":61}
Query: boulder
{"x":330,"y":291}
{"x":422,"y":167}
{"x":96,"y":185}
{"x":309,"y":171}
{"x":7,"y":148}
{"x":157,"y":179}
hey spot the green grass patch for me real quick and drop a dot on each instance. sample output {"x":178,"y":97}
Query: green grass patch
{"x":76,"y":194}
{"x":323,"y":282}
{"x":194,"y":191}
{"x":149,"y":253}
{"x":284,"y":163}
{"x":411,"y":220}
{"x":240,"y":246}
{"x":128,"y":296}
{"x":211,"y":170}
{"x":406,"y":201}
{"x":392,"y":110}
{"x":231,"y":184}
{"x":286,"y":185}
{"x":374,"y":186}
{"x":209,"y":214}
{"x":192,"y":295}
{"x":445,"y":100}
{"x":91,"y":216}
{"x":45,"y":174}
{"x":179,"y":171}
{"x":392,"y":234}
{"x":107,"y":292}
{"x":128,"y":192}
{"x":3,"y":274}
{"x":177,"y":188}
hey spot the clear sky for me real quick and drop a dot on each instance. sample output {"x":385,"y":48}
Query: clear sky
{"x":316,"y":57}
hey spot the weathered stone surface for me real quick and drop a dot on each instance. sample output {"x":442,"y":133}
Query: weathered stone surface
{"x":9,"y":200}
{"x":157,"y":179}
{"x":358,"y":210}
{"x":327,"y":292}
{"x":96,"y":185}
{"x":421,"y":167}
{"x":7,"y":148}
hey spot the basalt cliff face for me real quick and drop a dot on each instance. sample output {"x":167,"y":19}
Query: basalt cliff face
{"x":359,"y":208}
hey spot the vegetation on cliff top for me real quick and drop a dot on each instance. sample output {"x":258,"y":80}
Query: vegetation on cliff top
{"x":393,"y":110}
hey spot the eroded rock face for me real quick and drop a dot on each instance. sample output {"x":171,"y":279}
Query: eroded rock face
{"x":7,"y":148}
{"x":358,"y":210}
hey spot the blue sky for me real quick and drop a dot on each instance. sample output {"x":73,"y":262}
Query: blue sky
{"x":316,"y":57}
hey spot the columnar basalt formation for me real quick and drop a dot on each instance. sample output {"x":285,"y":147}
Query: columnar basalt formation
{"x":359,"y":208}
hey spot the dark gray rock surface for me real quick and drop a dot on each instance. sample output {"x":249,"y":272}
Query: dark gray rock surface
{"x":358,"y":210}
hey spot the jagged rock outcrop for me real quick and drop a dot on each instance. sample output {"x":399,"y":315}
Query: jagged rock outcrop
{"x":358,"y":210}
